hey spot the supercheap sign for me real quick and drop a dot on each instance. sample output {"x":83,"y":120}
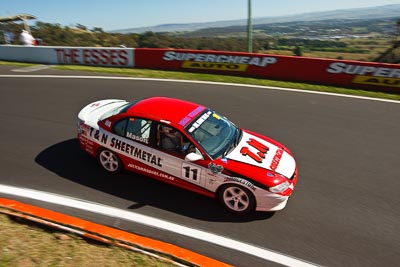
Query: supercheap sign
{"x":368,"y":75}
{"x":202,"y":61}
{"x":223,"y":62}
{"x":363,"y":75}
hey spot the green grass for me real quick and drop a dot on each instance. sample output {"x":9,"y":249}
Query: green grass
{"x":23,"y":243}
{"x":228,"y":79}
{"x":143,"y":73}
{"x":19,"y":64}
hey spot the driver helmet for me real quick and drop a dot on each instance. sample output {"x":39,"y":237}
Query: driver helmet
{"x":169,"y":131}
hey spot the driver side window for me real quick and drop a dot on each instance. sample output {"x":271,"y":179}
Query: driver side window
{"x":171,"y":140}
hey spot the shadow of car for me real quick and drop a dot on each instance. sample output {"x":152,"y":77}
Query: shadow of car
{"x":68,"y":161}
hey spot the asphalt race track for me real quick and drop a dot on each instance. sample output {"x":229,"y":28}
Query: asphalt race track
{"x":344,"y":211}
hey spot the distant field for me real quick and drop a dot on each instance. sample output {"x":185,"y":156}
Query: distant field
{"x":332,"y":55}
{"x":372,"y":47}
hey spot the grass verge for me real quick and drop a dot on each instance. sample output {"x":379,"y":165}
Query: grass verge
{"x":24,"y":244}
{"x":142,"y":73}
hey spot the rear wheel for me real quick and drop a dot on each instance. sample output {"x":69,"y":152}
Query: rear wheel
{"x":237,"y":199}
{"x":109,"y":161}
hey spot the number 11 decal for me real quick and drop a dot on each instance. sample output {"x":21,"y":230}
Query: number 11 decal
{"x":191,"y":172}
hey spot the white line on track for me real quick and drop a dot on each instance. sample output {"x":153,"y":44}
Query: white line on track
{"x":263,"y":253}
{"x":201,"y":82}
{"x":32,"y":68}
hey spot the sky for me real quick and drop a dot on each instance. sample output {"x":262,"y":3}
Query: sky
{"x":122,"y":14}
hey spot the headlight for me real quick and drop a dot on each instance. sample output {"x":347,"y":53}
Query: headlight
{"x":280,"y":187}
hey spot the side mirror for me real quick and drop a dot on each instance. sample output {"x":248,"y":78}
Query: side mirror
{"x":193,"y":157}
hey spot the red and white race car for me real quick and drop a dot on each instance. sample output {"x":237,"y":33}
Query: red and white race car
{"x":190,"y":146}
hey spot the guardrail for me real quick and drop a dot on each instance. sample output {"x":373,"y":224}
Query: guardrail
{"x":352,"y":74}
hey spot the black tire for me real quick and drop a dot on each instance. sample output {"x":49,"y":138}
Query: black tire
{"x":109,"y":161}
{"x":237,"y":199}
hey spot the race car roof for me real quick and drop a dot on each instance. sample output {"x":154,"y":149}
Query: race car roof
{"x":176,"y":111}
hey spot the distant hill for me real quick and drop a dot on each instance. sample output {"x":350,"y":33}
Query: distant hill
{"x":386,"y":11}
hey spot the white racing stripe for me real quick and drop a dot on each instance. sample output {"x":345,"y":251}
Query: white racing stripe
{"x":263,"y":253}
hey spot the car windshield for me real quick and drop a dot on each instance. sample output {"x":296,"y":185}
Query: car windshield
{"x":214,"y":133}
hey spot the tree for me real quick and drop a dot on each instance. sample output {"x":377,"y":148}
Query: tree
{"x":297,"y":51}
{"x":97,"y":29}
{"x":81,"y":27}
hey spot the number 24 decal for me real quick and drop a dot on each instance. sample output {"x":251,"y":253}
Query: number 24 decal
{"x":191,"y":172}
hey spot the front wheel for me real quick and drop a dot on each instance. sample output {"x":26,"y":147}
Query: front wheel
{"x":109,"y":161}
{"x":237,"y":199}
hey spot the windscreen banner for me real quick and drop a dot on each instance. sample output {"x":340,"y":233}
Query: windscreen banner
{"x":357,"y":74}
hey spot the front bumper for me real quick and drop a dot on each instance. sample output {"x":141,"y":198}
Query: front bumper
{"x":271,"y":202}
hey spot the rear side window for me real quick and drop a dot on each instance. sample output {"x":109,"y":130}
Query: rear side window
{"x":135,"y":129}
{"x":120,"y":127}
{"x":138,"y":130}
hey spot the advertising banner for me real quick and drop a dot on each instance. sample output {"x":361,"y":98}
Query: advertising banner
{"x":355,"y":74}
{"x":358,"y":74}
{"x":89,"y":56}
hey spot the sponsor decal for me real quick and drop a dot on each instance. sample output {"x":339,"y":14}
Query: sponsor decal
{"x":276,"y":159}
{"x":240,"y":180}
{"x":214,"y":66}
{"x":215,"y":169}
{"x":137,"y":138}
{"x":83,"y":56}
{"x":379,"y":81}
{"x":222,"y":62}
{"x":261,"y":148}
{"x":191,"y":115}
{"x":95,"y":105}
{"x":371,"y":75}
{"x":199,"y":121}
{"x":149,"y":171}
{"x":255,"y":151}
{"x":211,"y":181}
{"x":83,"y":129}
{"x":87,"y":144}
{"x":129,"y":149}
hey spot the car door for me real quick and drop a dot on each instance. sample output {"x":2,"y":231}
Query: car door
{"x":131,"y":138}
{"x":172,"y":146}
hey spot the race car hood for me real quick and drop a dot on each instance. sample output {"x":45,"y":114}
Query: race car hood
{"x":91,"y":114}
{"x":258,"y":151}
